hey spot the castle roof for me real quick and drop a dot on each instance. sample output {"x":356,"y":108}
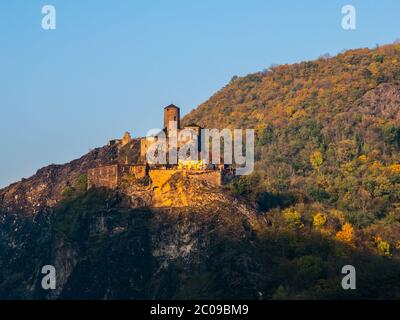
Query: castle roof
{"x":171,"y":106}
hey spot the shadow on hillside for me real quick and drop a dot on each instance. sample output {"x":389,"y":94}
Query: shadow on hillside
{"x":103,"y":249}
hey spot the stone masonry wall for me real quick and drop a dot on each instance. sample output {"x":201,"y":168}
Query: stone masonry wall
{"x":111,"y":176}
{"x":106,"y":176}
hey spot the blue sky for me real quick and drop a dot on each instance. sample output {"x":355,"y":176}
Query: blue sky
{"x":110,"y":66}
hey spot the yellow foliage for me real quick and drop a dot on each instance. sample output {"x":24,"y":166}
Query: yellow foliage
{"x":346,"y":234}
{"x":299,"y":114}
{"x":382,"y":246}
{"x":383,"y":186}
{"x":293,"y":217}
{"x":289,"y":110}
{"x":363,"y":158}
{"x":347,"y":167}
{"x":395,"y":168}
{"x":316,"y":159}
{"x":373,"y":67}
{"x":376,"y":165}
{"x":319,"y":220}
{"x":190,"y":164}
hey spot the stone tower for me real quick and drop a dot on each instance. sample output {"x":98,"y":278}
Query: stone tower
{"x":126,"y":139}
{"x":172,"y":113}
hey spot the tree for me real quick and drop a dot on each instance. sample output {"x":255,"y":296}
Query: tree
{"x":293,"y":218}
{"x":383,"y":246}
{"x":391,"y":135}
{"x":319,"y":220}
{"x":316,"y":160}
{"x":346,"y":234}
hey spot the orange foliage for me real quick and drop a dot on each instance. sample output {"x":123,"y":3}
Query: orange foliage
{"x":346,"y":234}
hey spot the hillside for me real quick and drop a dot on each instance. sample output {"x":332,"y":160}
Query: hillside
{"x":328,"y":132}
{"x":325,"y":193}
{"x":154,"y":251}
{"x":103,"y":248}
{"x":45,"y":188}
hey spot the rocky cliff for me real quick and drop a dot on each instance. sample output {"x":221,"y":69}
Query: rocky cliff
{"x":104,"y":248}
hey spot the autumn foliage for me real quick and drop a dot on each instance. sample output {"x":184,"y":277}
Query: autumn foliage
{"x":327,"y":149}
{"x":328,"y":136}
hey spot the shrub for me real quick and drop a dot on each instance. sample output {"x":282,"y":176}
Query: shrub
{"x":319,"y":220}
{"x":81,"y":183}
{"x":316,"y":160}
{"x":309,"y":270}
{"x":293,"y":218}
{"x":382,"y":246}
{"x":391,"y":135}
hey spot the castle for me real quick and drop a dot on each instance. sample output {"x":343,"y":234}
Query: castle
{"x":111,"y":176}
{"x":172,"y":131}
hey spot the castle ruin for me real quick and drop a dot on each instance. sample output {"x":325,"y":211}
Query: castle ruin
{"x":111,"y":176}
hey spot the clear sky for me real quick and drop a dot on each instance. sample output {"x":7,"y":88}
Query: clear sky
{"x":112,"y":65}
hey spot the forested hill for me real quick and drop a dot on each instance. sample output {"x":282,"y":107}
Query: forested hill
{"x":325,"y":193}
{"x":328,"y":135}
{"x":321,"y":90}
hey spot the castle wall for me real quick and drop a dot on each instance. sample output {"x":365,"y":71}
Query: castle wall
{"x":105,"y":176}
{"x":144,"y":144}
{"x":138,"y":171}
{"x":111,"y":176}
